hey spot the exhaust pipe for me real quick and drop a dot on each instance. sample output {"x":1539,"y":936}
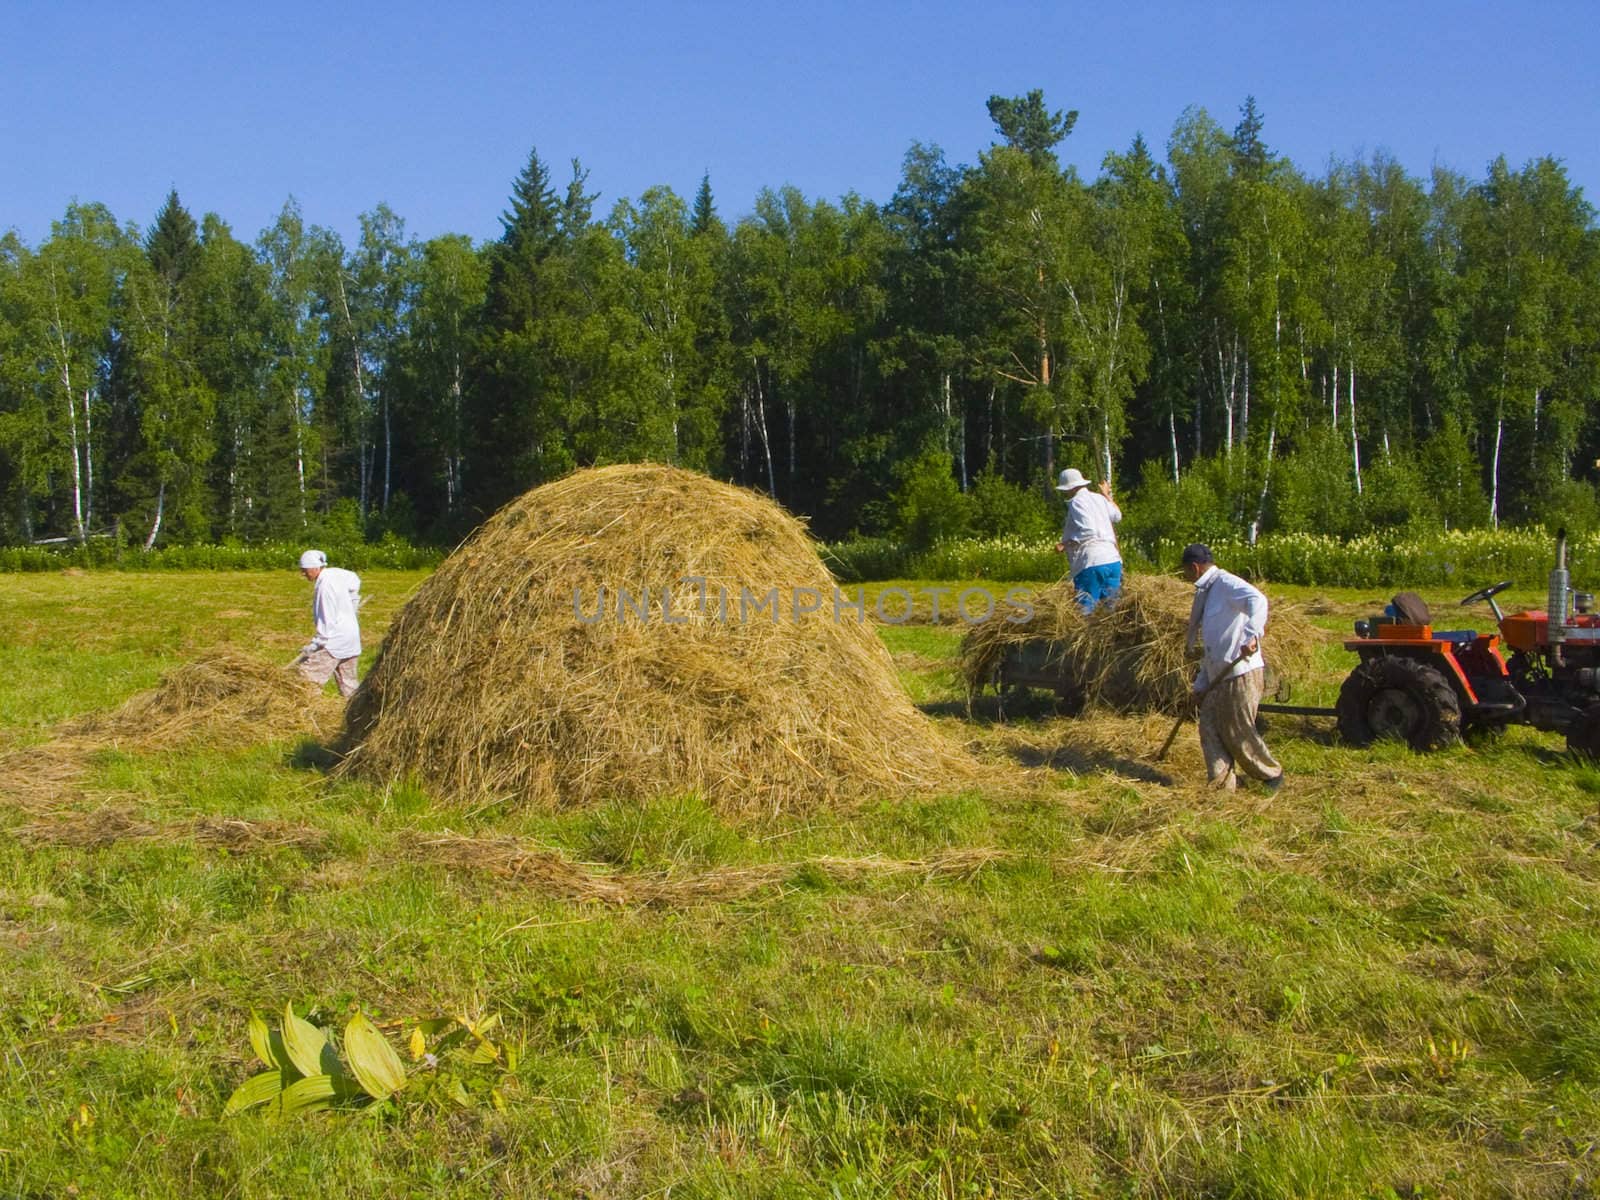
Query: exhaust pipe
{"x":1556,"y":605}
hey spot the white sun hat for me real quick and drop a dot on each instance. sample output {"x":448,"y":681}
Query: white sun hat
{"x":1071,"y":480}
{"x":313,"y":558}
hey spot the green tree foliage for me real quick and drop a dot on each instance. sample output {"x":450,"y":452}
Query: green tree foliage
{"x":928,"y":506}
{"x":1259,"y":349}
{"x":167,"y":405}
{"x":1027,"y":125}
{"x":448,"y":285}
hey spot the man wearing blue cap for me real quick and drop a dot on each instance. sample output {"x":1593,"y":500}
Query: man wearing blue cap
{"x":335,"y":599}
{"x":1089,"y":541}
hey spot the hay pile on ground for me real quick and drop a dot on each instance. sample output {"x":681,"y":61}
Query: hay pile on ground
{"x":512,"y":675}
{"x":226,"y":698}
{"x":1127,"y":656}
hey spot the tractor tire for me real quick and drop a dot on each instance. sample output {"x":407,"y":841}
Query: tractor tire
{"x":1403,"y":698}
{"x":1583,"y":738}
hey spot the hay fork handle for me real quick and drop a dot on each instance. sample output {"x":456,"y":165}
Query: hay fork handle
{"x":1172,"y":736}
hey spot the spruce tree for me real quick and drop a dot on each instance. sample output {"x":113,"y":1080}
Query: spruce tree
{"x":704,"y":216}
{"x":173,"y":243}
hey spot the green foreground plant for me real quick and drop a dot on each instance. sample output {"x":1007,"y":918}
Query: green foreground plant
{"x":452,"y":1056}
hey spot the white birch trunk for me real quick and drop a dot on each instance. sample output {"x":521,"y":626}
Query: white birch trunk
{"x":1494,"y":470}
{"x":299,"y":451}
{"x":1266,"y":480}
{"x":72,"y":431}
{"x":1355,"y":434}
{"x":766,"y":442}
{"x":155,"y":526}
{"x":388,"y":442}
{"x":88,"y":460}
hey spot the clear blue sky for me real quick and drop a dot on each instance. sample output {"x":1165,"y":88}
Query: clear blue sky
{"x":432,"y":107}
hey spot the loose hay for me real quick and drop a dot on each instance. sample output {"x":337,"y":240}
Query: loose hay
{"x":556,"y":875}
{"x":489,"y":686}
{"x":108,"y":826}
{"x":1127,"y":656}
{"x":226,"y":698}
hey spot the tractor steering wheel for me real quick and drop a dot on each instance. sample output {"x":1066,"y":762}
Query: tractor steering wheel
{"x":1486,"y":593}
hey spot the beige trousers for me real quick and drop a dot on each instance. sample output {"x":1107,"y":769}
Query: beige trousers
{"x":1228,"y":736}
{"x":319,"y":666}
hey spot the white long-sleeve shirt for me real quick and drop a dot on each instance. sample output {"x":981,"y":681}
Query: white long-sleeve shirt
{"x":1087,"y":534}
{"x":1227,"y":614}
{"x":335,"y":597}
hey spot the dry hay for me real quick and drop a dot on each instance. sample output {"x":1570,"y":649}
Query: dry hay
{"x":490,"y":687}
{"x":556,"y":875}
{"x":108,"y":826}
{"x":226,"y":698}
{"x":1127,"y":656}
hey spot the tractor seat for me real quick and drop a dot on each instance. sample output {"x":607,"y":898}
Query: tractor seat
{"x":1459,"y":637}
{"x":1411,"y":609}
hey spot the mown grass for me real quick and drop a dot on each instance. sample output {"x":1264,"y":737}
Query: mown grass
{"x":1383,"y":982}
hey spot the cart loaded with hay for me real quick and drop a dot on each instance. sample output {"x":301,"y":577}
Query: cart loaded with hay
{"x":1127,"y":656}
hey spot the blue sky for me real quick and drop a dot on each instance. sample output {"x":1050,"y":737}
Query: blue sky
{"x":432,"y":107}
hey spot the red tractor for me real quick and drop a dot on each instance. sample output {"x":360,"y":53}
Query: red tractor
{"x":1426,"y":688}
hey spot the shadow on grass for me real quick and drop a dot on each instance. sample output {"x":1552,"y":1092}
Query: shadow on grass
{"x":993,"y":710}
{"x":312,"y":755}
{"x":1085,"y":760}
{"x":1319,"y":731}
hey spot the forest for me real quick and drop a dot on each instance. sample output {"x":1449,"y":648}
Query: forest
{"x":1242,"y":347}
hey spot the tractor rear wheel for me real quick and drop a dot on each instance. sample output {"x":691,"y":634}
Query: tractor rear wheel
{"x":1403,"y":698}
{"x":1583,"y":736}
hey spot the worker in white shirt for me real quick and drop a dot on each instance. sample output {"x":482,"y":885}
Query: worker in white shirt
{"x":335,"y":599}
{"x":1089,"y":541}
{"x":1229,"y":616}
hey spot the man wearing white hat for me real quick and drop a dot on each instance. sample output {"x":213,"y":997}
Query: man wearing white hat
{"x":1088,"y":539}
{"x":335,"y":597}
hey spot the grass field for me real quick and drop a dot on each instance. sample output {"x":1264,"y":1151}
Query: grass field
{"x":1085,"y":976}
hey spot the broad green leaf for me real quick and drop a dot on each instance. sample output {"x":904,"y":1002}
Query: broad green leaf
{"x":456,"y":1092}
{"x":498,"y":1100}
{"x":307,"y":1046}
{"x":433,"y":1025}
{"x":376,"y":1066}
{"x":311,"y":1094}
{"x":258,"y":1089}
{"x":268,"y":1045}
{"x":485,"y":1052}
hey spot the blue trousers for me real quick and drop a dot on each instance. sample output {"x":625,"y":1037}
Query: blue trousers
{"x":1098,"y":584}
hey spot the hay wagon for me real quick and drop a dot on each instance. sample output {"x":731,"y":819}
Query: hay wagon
{"x":1128,"y":656}
{"x":1046,"y":665}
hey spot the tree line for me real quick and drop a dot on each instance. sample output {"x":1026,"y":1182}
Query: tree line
{"x":1251,"y":347}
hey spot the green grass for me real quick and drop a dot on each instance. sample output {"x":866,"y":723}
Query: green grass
{"x":1385,"y":982}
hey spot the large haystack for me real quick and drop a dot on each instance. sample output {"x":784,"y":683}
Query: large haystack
{"x":1127,"y":656}
{"x":515,"y":674}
